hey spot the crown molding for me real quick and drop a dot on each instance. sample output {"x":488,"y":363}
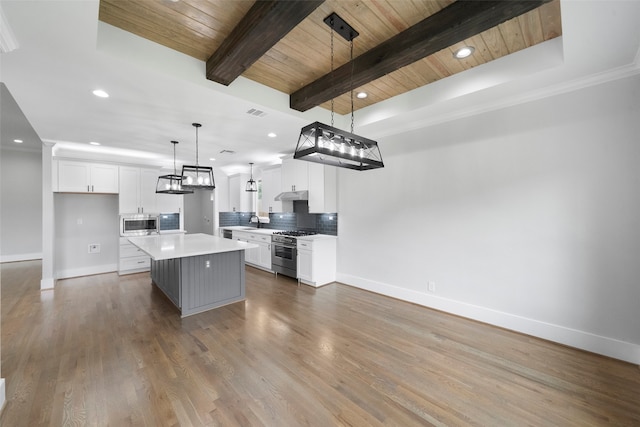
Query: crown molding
{"x":8,"y":40}
{"x":584,"y":82}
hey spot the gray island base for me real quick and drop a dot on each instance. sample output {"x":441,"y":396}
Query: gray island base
{"x":197,"y":272}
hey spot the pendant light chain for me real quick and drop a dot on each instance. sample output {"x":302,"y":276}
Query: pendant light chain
{"x":197,"y":145}
{"x":351,"y":84}
{"x":332,"y":75}
{"x":174,"y":157}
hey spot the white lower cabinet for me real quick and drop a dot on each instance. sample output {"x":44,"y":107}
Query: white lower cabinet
{"x":316,"y":261}
{"x":258,"y":257}
{"x":265,"y":254}
{"x":132,"y":259}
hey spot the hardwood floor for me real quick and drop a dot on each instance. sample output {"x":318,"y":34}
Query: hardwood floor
{"x":112,"y":351}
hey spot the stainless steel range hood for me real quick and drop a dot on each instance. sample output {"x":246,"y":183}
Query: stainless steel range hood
{"x":288,"y":196}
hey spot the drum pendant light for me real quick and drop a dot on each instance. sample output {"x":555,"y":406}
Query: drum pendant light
{"x":171,"y":184}
{"x":196,"y":177}
{"x":251,"y":184}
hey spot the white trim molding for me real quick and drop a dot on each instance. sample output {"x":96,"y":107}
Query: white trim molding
{"x":87,"y":271}
{"x":610,"y":347}
{"x":8,"y":40}
{"x":20,"y":257}
{"x":3,"y":394}
{"x":46,"y":284}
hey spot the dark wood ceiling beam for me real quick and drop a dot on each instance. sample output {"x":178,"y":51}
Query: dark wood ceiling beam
{"x":451,"y":25}
{"x":263,"y":26}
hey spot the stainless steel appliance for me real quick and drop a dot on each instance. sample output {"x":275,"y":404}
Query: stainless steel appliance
{"x":139,"y":224}
{"x":284,"y":252}
{"x":227,"y":234}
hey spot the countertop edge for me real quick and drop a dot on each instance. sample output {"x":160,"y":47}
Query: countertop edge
{"x":157,"y":254}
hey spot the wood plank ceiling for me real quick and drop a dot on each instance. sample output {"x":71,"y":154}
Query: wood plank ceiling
{"x":199,"y":28}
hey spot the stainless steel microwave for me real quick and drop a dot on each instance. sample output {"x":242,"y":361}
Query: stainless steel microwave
{"x":139,"y":224}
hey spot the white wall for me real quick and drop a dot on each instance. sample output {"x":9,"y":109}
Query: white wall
{"x":198,"y":212}
{"x":21,"y":204}
{"x":526,"y":217}
{"x":81,"y":220}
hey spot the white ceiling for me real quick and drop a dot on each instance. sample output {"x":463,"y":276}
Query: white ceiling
{"x":64,"y":53}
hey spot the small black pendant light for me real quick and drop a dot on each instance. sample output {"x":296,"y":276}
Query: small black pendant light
{"x":251,"y":184}
{"x":172,"y":183}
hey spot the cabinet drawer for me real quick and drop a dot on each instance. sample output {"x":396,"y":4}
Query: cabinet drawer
{"x":135,"y":263}
{"x":305,"y":245}
{"x":128,"y":251}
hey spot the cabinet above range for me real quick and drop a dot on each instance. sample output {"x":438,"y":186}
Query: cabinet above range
{"x":314,"y":182}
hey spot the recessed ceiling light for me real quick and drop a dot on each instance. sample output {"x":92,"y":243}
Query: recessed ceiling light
{"x":362,"y":95}
{"x":212,"y":159}
{"x":18,"y":141}
{"x":100,"y":93}
{"x":271,"y":135}
{"x":464,"y":52}
{"x":94,"y":143}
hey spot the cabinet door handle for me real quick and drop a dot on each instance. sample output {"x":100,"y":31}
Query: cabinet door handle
{"x":92,"y":190}
{"x":88,"y":189}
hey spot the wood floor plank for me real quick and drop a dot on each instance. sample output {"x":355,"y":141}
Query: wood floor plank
{"x":113,"y":351}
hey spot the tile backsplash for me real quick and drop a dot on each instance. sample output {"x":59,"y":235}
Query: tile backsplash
{"x":326,"y":223}
{"x":170,"y":221}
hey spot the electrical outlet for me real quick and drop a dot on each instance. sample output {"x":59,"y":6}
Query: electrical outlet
{"x":94,"y":248}
{"x":431,"y":286}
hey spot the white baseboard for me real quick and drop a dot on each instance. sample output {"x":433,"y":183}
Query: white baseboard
{"x":3,"y":395}
{"x":47,"y":283}
{"x":610,"y":347}
{"x":20,"y":257}
{"x":86,"y":271}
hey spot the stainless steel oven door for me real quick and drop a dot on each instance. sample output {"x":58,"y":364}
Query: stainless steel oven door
{"x":283,"y":259}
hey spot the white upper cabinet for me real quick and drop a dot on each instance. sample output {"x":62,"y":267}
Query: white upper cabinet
{"x":295,"y":175}
{"x":82,"y":177}
{"x":240,"y":200}
{"x":148,"y":182}
{"x":322,"y":188}
{"x":129,"y":190}
{"x":138,"y":190}
{"x":271,"y":187}
{"x":169,"y":203}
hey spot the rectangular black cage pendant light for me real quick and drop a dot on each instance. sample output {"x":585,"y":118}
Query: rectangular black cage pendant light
{"x":320,"y":143}
{"x":196,"y":177}
{"x":172,"y":183}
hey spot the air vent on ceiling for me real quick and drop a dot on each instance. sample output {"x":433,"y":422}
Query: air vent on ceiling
{"x":257,"y":113}
{"x":227,"y":152}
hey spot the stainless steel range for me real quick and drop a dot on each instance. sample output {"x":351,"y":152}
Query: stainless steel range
{"x":284,"y":251}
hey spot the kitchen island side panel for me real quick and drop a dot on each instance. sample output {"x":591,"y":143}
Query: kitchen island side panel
{"x":166,"y":275}
{"x":212,"y":280}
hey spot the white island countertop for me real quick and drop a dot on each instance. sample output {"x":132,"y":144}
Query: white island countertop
{"x":169,"y":246}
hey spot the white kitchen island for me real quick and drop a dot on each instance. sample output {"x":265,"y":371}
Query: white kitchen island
{"x":197,"y":272}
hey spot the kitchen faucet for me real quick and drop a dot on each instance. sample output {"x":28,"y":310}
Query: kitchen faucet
{"x":255,"y":216}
